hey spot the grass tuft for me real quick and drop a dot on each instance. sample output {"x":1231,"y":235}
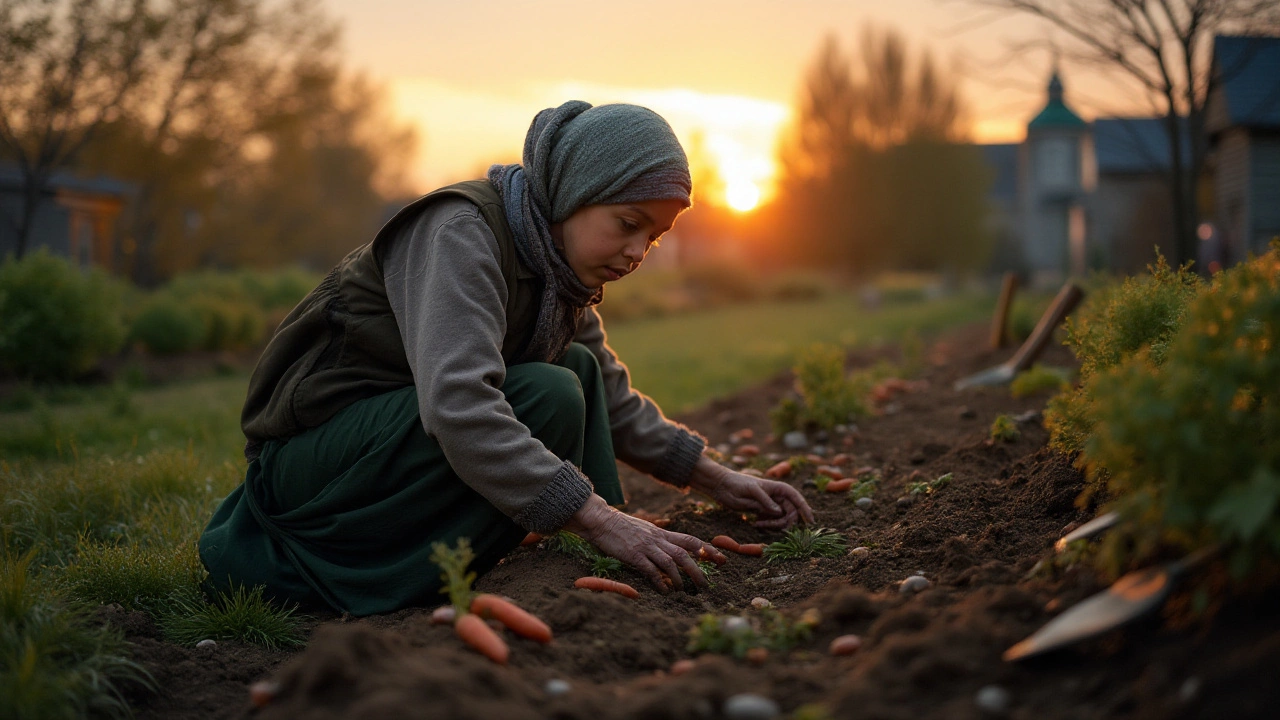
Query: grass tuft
{"x":802,"y":542}
{"x":241,"y":614}
{"x":137,"y":577}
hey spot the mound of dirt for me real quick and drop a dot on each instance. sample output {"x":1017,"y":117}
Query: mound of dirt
{"x":924,"y":655}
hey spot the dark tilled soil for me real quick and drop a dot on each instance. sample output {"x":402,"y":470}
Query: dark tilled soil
{"x":924,"y":655}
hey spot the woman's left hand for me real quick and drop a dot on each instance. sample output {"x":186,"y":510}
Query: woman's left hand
{"x":776,"y":504}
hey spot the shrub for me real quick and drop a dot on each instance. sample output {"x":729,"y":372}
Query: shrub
{"x":1185,"y":429}
{"x":826,"y":396}
{"x":59,"y":321}
{"x":167,"y":327}
{"x":1140,"y":316}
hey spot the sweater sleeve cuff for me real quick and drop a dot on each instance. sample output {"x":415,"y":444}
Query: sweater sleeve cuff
{"x":681,"y":456}
{"x":557,"y":502}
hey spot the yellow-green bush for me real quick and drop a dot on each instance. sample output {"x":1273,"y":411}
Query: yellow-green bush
{"x":826,"y":396}
{"x":58,"y":320}
{"x":1185,"y":429}
{"x":165,"y":326}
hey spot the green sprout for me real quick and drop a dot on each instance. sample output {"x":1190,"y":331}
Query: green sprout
{"x":802,"y":542}
{"x":928,"y":487}
{"x":457,"y":580}
{"x":1005,"y":429}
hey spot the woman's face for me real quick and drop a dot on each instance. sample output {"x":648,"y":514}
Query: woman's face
{"x":602,"y":243}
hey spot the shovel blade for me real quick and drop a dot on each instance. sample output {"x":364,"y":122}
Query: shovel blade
{"x":1131,"y":597}
{"x":998,"y":375}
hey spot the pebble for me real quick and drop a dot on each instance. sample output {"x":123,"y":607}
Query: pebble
{"x":967,"y":413}
{"x":1027,"y":416}
{"x":892,"y":408}
{"x":680,"y":667}
{"x":795,"y":440}
{"x":749,"y":450}
{"x":993,"y":700}
{"x":734,"y":624}
{"x":556,"y":687}
{"x":207,"y":644}
{"x":443,"y":615}
{"x":760,"y":603}
{"x":864,"y":502}
{"x":841,"y":429}
{"x":845,"y":645}
{"x":860,"y":551}
{"x":749,"y":706}
{"x":757,"y":656}
{"x":780,"y":579}
{"x":724,"y":448}
{"x":738,"y":459}
{"x":774,"y":456}
{"x":821,"y":436}
{"x":820,"y":450}
{"x":914,"y":584}
{"x":905,"y":501}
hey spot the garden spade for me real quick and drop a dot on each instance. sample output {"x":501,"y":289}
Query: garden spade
{"x":1096,"y":526}
{"x":1067,"y":299}
{"x":1128,"y":599}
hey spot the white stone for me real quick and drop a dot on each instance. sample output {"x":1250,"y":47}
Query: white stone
{"x":734,"y":624}
{"x":760,"y":603}
{"x":913,"y":584}
{"x":556,"y":687}
{"x":795,"y":440}
{"x":993,"y":700}
{"x":864,"y":502}
{"x":749,"y":706}
{"x":860,"y":551}
{"x":207,"y":644}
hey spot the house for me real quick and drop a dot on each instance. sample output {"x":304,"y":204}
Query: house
{"x":1243,"y":124}
{"x":75,"y":219}
{"x":1095,"y":195}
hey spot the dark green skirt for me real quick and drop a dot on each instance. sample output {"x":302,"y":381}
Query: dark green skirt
{"x":344,"y":515}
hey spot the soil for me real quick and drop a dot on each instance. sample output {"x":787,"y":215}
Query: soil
{"x":924,"y":655}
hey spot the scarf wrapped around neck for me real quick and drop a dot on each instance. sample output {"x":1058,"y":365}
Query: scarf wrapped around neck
{"x":611,"y":154}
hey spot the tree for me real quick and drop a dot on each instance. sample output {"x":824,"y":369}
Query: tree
{"x":65,"y":69}
{"x":872,"y":175}
{"x":1163,"y":46}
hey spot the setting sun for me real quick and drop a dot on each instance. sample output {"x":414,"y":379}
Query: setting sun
{"x":742,"y":195}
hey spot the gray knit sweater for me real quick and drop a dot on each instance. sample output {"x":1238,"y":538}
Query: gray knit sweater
{"x":444,"y":282}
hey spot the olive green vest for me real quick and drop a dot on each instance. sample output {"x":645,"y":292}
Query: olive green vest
{"x":341,"y":344}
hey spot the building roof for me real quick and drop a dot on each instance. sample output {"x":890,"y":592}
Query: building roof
{"x":1055,"y":114}
{"x":1135,"y":145}
{"x":1003,"y":161}
{"x":1248,"y":69}
{"x":11,"y":179}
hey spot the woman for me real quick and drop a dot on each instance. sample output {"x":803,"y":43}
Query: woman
{"x":451,"y":379}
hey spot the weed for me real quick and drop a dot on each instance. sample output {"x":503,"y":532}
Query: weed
{"x":1039,"y":379}
{"x":55,"y":662}
{"x":864,"y":488}
{"x":1005,"y":429}
{"x":826,"y":397}
{"x":241,"y":614}
{"x":735,"y":635}
{"x":605,"y":566}
{"x":803,"y":542}
{"x":929,"y":487}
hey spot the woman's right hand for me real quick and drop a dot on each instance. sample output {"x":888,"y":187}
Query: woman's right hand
{"x":657,"y":554}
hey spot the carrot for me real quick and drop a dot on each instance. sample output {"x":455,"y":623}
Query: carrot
{"x":831,"y":471}
{"x":780,"y":470}
{"x":531,"y":539}
{"x":508,"y":613}
{"x":841,"y":459}
{"x":606,"y":585}
{"x":482,"y":638}
{"x":836,"y":486}
{"x":752,"y":549}
{"x":717,"y":558}
{"x":263,"y":692}
{"x":724,"y":542}
{"x":749,"y":450}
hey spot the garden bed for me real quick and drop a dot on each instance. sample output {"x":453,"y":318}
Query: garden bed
{"x":924,"y":655}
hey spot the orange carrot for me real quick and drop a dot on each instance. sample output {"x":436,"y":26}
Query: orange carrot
{"x":724,"y":542}
{"x":508,"y":613}
{"x":831,"y":471}
{"x":717,"y":558}
{"x":836,"y":486}
{"x":606,"y":585}
{"x":263,"y":692}
{"x":752,"y":549}
{"x":757,"y":656}
{"x":841,"y":459}
{"x":749,"y":450}
{"x":780,"y":470}
{"x":482,"y":638}
{"x":531,"y":539}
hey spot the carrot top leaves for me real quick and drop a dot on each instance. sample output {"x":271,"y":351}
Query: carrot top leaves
{"x":453,"y":564}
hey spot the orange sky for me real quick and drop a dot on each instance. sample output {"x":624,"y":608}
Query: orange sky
{"x":471,"y":74}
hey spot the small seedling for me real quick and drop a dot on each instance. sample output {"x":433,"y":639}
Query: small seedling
{"x":736,"y":635}
{"x":453,"y":565}
{"x":928,"y":487}
{"x":606,"y":567}
{"x":1005,"y":429}
{"x":1039,"y":379}
{"x":802,"y":542}
{"x":866,"y":487}
{"x":821,"y":482}
{"x":572,"y":545}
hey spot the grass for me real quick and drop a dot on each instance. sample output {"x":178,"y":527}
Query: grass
{"x":800,"y":543}
{"x":242,"y":615}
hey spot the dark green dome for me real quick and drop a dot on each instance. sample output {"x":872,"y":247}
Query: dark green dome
{"x":1056,"y":114}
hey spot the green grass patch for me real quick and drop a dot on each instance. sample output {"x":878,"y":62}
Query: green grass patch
{"x":137,"y":577}
{"x":242,"y":614}
{"x":800,"y":543}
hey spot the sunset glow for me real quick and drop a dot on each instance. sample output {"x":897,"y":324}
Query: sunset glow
{"x":742,"y":195}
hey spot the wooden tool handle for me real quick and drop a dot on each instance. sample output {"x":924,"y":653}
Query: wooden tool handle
{"x":1000,"y":321}
{"x":1068,"y":297}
